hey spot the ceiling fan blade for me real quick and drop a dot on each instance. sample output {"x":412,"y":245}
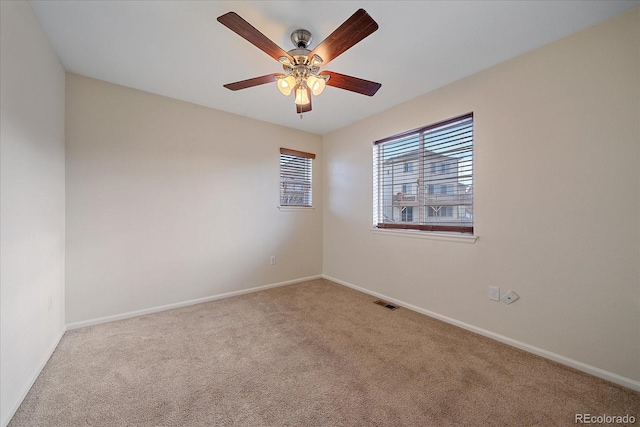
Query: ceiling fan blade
{"x":353,"y":30}
{"x":305,"y":108}
{"x":235,"y":23}
{"x":354,"y":84}
{"x":256,"y":81}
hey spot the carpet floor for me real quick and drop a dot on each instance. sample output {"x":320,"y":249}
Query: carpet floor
{"x":310,"y":354}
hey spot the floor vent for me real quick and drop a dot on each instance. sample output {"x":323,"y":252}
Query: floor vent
{"x":386,"y":304}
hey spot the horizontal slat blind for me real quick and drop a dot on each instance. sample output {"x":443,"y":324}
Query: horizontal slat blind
{"x":423,"y":179}
{"x":295,"y":178}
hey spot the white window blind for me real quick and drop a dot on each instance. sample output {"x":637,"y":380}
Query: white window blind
{"x":295,"y":178}
{"x":441,"y":182}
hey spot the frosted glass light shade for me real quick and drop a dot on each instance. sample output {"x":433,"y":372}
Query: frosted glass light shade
{"x":315,"y":84}
{"x":286,"y":84}
{"x":301,"y":96}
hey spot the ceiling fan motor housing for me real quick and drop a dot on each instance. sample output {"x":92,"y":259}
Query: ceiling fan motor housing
{"x":301,"y":67}
{"x":301,"y":38}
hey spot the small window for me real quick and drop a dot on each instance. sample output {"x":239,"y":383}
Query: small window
{"x":408,"y":167}
{"x":441,"y":167}
{"x":443,"y":194}
{"x":295,"y":178}
{"x":437,"y":189}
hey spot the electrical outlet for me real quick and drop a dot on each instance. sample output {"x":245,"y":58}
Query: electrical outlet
{"x":509,"y":297}
{"x":272,"y":260}
{"x":494,"y":293}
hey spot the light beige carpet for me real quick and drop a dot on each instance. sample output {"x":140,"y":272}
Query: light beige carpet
{"x":311,"y":354}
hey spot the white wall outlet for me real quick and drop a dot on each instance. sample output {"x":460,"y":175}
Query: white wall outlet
{"x":509,"y":297}
{"x":494,"y":293}
{"x":272,"y":260}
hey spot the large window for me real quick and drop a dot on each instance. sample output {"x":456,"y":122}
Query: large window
{"x":441,"y":180}
{"x":295,"y":178}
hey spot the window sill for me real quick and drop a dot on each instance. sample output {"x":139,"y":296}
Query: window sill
{"x":295,"y":208}
{"x":448,"y":237}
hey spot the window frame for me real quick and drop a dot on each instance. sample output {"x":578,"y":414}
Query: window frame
{"x":298,"y":171}
{"x":440,"y":168}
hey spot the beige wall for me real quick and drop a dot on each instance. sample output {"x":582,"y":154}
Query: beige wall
{"x":32,"y":203}
{"x":169,"y":202}
{"x":557,"y":201}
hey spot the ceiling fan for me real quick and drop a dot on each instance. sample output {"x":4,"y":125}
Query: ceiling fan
{"x":302,"y":74}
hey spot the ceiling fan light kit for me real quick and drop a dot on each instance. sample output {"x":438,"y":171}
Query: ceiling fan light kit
{"x":303,"y":72}
{"x":301,"y":66}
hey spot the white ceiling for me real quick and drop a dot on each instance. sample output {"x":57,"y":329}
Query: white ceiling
{"x":178,"y":49}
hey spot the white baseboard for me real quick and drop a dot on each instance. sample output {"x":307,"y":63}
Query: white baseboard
{"x":32,"y":379}
{"x":136,"y":313}
{"x":575,"y":364}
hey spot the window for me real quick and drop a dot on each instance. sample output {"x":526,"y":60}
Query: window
{"x":439,"y":189}
{"x":407,"y":188}
{"x":435,"y":211}
{"x":438,"y":167}
{"x":407,"y":214}
{"x":408,"y":167}
{"x":295,"y":178}
{"x":442,"y":155}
